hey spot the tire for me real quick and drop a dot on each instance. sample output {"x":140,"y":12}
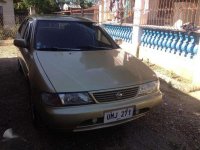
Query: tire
{"x":35,"y":116}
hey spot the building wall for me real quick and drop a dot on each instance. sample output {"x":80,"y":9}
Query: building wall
{"x":8,"y":13}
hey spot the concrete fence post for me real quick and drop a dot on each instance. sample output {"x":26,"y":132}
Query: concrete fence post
{"x":140,"y":17}
{"x":196,"y":73}
{"x":101,"y":12}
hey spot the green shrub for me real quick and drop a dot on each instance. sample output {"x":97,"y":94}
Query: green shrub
{"x":8,"y":33}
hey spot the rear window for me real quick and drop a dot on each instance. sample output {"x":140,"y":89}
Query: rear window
{"x":74,"y":35}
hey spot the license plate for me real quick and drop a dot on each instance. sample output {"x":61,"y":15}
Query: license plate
{"x":116,"y":115}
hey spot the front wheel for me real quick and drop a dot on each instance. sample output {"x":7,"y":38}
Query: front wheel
{"x":35,"y":116}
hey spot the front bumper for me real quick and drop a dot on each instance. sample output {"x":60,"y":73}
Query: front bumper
{"x":89,"y":117}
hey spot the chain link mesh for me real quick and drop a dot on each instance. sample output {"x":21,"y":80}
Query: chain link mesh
{"x":9,"y":25}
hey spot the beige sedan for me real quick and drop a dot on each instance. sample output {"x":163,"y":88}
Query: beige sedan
{"x":79,"y":77}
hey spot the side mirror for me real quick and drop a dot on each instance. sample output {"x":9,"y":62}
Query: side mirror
{"x":20,"y":43}
{"x":118,"y":41}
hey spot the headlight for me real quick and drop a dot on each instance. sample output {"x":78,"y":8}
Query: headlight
{"x":65,"y":99}
{"x":148,"y":88}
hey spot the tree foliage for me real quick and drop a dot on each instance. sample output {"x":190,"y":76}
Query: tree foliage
{"x":47,"y":6}
{"x":41,"y":6}
{"x":85,"y":4}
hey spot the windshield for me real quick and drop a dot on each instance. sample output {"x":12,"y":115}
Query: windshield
{"x":75,"y":36}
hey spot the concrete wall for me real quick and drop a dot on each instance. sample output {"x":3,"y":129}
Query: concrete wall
{"x":8,"y":13}
{"x":180,"y":65}
{"x":184,"y":60}
{"x":175,"y":51}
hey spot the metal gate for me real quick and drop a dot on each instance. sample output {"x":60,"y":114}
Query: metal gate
{"x":173,"y":13}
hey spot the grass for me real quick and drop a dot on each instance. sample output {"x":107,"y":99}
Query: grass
{"x":168,"y":73}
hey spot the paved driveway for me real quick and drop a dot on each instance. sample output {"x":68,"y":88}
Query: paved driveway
{"x":173,"y":125}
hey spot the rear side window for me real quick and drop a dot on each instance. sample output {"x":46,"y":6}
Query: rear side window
{"x":66,"y":34}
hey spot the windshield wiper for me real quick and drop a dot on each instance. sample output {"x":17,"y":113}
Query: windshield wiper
{"x":90,"y":47}
{"x":58,"y":49}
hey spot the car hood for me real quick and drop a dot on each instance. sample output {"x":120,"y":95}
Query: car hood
{"x":93,"y":70}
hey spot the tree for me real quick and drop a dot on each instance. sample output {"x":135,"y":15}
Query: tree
{"x":19,"y":6}
{"x":85,"y":4}
{"x":40,"y":6}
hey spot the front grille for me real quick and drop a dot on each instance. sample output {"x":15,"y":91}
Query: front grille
{"x":116,"y":94}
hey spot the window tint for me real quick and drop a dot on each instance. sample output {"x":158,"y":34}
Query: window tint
{"x":62,"y":34}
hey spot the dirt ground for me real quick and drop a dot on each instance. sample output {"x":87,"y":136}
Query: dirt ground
{"x":174,"y":125}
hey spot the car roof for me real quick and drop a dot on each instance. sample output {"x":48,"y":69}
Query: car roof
{"x":61,"y":18}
